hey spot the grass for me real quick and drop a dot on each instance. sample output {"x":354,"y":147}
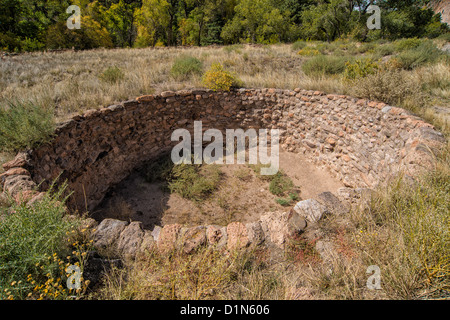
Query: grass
{"x":194,"y":182}
{"x":24,"y":125}
{"x":325,"y":65}
{"x":186,"y":66}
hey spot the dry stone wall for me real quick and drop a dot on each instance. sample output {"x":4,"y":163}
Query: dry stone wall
{"x":359,"y":141}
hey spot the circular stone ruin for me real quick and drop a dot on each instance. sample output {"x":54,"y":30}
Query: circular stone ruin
{"x":359,"y":143}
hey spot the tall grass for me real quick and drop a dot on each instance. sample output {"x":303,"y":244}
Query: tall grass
{"x":24,"y":124}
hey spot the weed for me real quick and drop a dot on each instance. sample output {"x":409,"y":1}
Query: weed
{"x":24,"y":125}
{"x":112,"y":75}
{"x":186,"y":66}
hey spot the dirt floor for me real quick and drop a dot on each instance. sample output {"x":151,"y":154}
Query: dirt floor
{"x":242,"y":196}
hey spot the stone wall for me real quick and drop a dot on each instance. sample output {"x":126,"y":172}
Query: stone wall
{"x":361,"y":142}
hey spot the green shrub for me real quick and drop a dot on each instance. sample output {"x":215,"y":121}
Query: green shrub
{"x":185,"y":66}
{"x":308,"y":51}
{"x":426,"y":52}
{"x":280,"y":184}
{"x":29,"y":236}
{"x":298,"y":45}
{"x":360,"y":68}
{"x":325,"y":65}
{"x":25,"y":124}
{"x":385,"y":50}
{"x":217,"y":78}
{"x":406,"y":44}
{"x":391,"y":86}
{"x":112,"y":75}
{"x":194,"y":182}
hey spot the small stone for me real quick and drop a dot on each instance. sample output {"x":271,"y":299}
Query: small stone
{"x":237,"y":236}
{"x":168,"y":237}
{"x":216,"y":236}
{"x":194,"y":238}
{"x":130,"y":239}
{"x":310,"y":209}
{"x":332,"y":203}
{"x":107,"y":234}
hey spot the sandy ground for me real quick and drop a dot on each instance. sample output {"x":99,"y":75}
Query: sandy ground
{"x":242,"y":196}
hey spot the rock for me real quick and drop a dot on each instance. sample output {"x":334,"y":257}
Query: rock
{"x":255,"y":233}
{"x":15,"y":184}
{"x":237,"y":236}
{"x":20,"y":160}
{"x":279,"y":226}
{"x":216,"y":236}
{"x":168,"y":237}
{"x":156,"y":232}
{"x":332,"y":203}
{"x":193,"y":238}
{"x":13,"y":172}
{"x":310,"y":209}
{"x":147,"y":242}
{"x":130,"y":239}
{"x":295,"y":223}
{"x":107,"y":234}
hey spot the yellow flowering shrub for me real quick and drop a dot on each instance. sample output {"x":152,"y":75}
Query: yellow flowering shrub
{"x":217,"y":78}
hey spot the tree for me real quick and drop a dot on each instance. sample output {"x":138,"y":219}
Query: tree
{"x":257,"y":21}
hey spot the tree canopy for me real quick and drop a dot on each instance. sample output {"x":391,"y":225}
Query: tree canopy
{"x":27,"y":25}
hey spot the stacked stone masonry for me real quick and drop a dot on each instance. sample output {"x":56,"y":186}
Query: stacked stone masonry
{"x":360,"y":142}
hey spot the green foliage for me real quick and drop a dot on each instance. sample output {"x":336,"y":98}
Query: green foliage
{"x":298,"y":45}
{"x":112,"y":75}
{"x":217,"y":78}
{"x":280,"y":184}
{"x":194,"y":182}
{"x":425,"y":52}
{"x":185,"y":66}
{"x":392,"y":87}
{"x":91,"y":35}
{"x":28,"y":237}
{"x":325,"y":65}
{"x":29,"y":25}
{"x":360,"y":68}
{"x":308,"y":51}
{"x":25,"y":124}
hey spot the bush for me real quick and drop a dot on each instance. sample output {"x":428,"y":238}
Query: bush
{"x":308,"y":51}
{"x":217,"y":78}
{"x":25,"y":124}
{"x":325,"y":65}
{"x":185,"y":66}
{"x":385,"y":50}
{"x":406,"y":44}
{"x":298,"y":45}
{"x":426,"y":52}
{"x":29,"y":236}
{"x":392,"y":87}
{"x":194,"y":182}
{"x":360,"y":69}
{"x":112,"y":75}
